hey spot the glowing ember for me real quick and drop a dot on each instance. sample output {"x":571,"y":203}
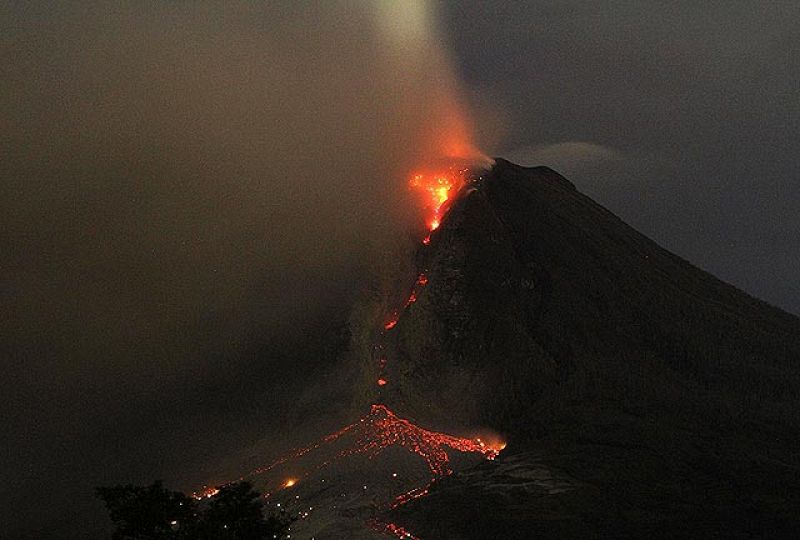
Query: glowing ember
{"x":391,"y":323}
{"x":393,"y":529}
{"x":289,"y":483}
{"x":381,"y":382}
{"x":410,"y":495}
{"x":205,"y":493}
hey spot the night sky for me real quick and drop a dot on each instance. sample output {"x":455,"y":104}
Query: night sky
{"x":189,"y":191}
{"x":681,"y":117}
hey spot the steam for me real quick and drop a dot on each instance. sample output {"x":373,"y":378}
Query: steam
{"x":429,"y":88}
{"x":197,"y":157}
{"x":184,"y":183}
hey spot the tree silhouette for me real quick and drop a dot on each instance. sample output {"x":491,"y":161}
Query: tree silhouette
{"x":235,"y":513}
{"x":150,"y":512}
{"x":156,"y":513}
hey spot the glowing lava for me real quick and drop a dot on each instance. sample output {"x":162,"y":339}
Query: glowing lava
{"x":381,"y":428}
{"x":289,"y":483}
{"x":205,"y":493}
{"x":436,"y":189}
{"x":391,"y":323}
{"x":416,"y":290}
{"x":393,"y":529}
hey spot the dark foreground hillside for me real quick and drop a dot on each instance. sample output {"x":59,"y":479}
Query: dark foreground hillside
{"x":640,"y":396}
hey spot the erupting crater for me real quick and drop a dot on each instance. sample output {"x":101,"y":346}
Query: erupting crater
{"x":435,"y":189}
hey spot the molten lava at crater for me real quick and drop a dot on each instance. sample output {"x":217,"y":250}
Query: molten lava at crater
{"x":435,"y":189}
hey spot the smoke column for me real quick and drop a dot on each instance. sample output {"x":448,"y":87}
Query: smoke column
{"x":427,"y":89}
{"x":185,"y":184}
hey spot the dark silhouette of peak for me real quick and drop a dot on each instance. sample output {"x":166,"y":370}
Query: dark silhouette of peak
{"x":503,"y":167}
{"x":662,"y":400}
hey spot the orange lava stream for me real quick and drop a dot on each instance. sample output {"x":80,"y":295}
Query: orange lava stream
{"x":381,"y":428}
{"x":416,"y":290}
{"x":411,"y":495}
{"x":378,"y":430}
{"x":435,"y":190}
{"x":393,"y":529}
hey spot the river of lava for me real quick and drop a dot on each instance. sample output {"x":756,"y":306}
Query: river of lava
{"x":380,"y":429}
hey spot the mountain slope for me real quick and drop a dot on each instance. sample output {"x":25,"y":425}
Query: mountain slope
{"x":666,"y":399}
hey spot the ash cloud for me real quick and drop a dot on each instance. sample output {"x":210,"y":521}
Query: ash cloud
{"x":186,"y":186}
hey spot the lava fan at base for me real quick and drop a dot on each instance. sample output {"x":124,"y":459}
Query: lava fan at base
{"x":338,"y":478}
{"x":382,"y":428}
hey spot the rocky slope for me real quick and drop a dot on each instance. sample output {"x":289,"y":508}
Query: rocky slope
{"x":660,"y":400}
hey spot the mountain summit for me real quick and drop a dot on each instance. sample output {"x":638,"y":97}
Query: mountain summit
{"x":639,"y":395}
{"x":555,"y":374}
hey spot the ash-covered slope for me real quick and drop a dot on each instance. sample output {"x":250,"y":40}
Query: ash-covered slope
{"x":666,"y":398}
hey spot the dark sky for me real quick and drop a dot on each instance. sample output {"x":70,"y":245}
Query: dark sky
{"x":189,"y":191}
{"x":681,"y":117}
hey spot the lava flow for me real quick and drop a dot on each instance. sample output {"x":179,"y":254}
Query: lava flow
{"x":381,"y":428}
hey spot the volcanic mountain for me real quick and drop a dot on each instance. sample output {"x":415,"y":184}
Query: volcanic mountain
{"x":666,"y":399}
{"x":639,"y":396}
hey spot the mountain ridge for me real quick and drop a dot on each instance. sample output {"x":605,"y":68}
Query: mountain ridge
{"x":616,"y":365}
{"x":630,"y":394}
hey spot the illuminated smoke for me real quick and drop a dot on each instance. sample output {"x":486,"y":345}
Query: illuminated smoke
{"x":427,"y":88}
{"x":423,"y":120}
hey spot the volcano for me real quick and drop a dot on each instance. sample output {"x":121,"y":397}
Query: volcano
{"x":638,"y":395}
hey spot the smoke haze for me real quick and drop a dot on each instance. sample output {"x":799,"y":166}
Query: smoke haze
{"x":188,"y":190}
